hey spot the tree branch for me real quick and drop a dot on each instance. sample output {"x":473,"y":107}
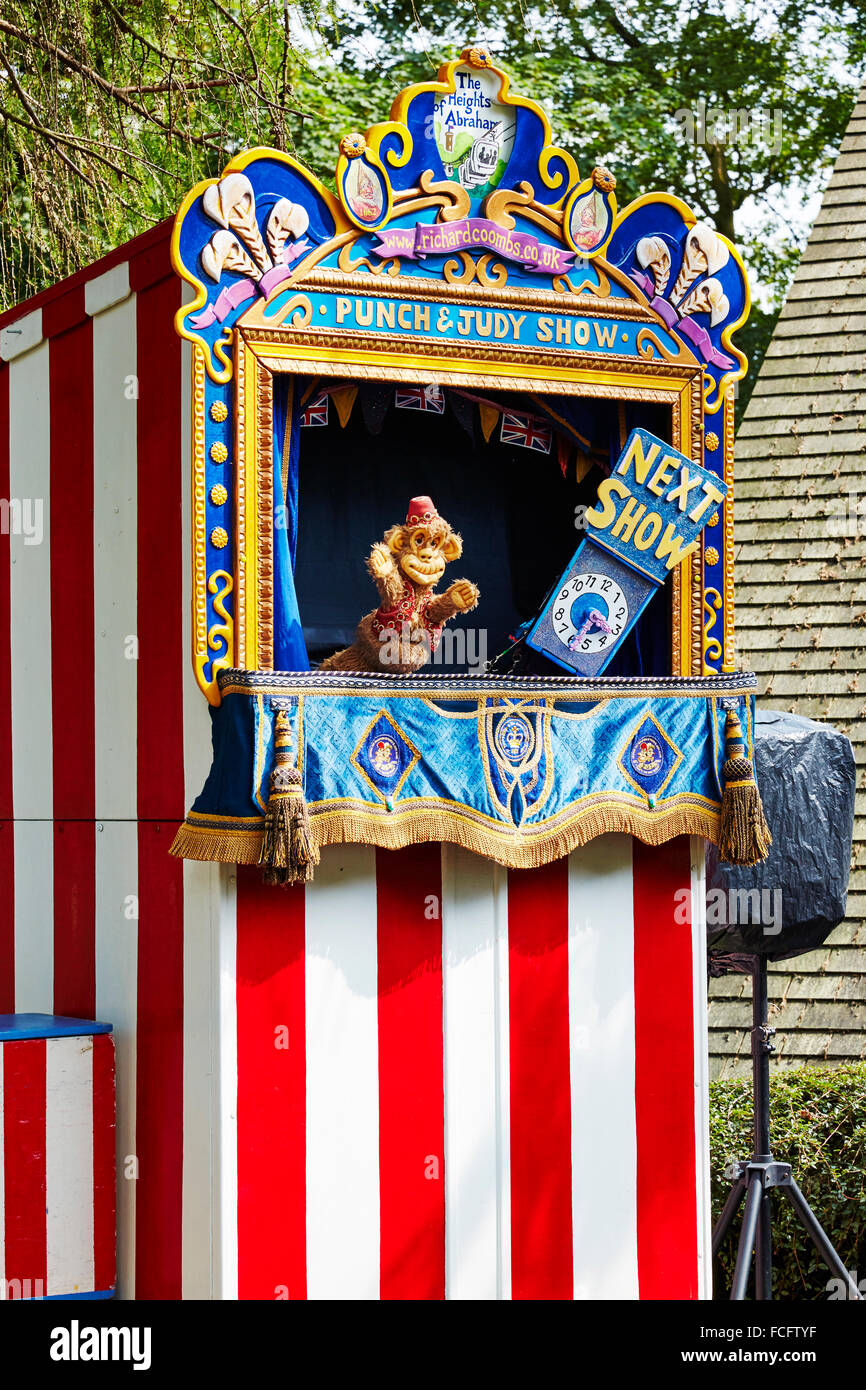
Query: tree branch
{"x":145,"y":42}
{"x":84,"y":70}
{"x":227,"y":14}
{"x":51,"y":135}
{"x":70,"y":163}
{"x":608,"y":15}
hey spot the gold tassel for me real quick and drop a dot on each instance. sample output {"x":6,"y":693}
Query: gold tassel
{"x":744,"y":835}
{"x":288,"y":852}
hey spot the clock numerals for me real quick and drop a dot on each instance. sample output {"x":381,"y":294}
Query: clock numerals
{"x":595,"y":623}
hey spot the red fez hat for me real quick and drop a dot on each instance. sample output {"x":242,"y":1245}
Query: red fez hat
{"x":420,"y":509}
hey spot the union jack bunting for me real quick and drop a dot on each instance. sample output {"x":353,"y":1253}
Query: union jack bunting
{"x":428,"y":397}
{"x":316,"y":413}
{"x":528,"y":431}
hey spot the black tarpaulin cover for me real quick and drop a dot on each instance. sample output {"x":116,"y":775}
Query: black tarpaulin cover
{"x":806,"y":775}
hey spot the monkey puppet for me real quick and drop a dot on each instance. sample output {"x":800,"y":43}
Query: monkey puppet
{"x":401,"y":633}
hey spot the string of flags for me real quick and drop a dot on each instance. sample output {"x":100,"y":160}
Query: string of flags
{"x":526,"y":431}
{"x":430,"y":397}
{"x":315,"y":405}
{"x":520,"y":429}
{"x":316,"y":412}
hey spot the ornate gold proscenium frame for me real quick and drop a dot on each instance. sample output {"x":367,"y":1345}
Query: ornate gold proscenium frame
{"x":419,"y":235}
{"x":291,"y":342}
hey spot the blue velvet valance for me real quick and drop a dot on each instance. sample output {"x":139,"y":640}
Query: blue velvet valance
{"x":521,"y":770}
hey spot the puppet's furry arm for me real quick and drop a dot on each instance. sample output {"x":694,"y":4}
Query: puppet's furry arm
{"x":460,"y":597}
{"x":385,"y":575}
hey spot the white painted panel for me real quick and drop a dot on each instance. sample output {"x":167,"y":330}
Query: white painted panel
{"x":69,"y":1165}
{"x":30,"y":585}
{"x":602,"y":1064}
{"x":117,"y":1003}
{"x":106,"y":290}
{"x":115,"y":560}
{"x":22,"y":335}
{"x":205,"y":905}
{"x":342,"y":1077}
{"x":702,"y":1064}
{"x":201,"y":911}
{"x":226,"y":1089}
{"x":34,"y":916}
{"x":503,"y":1083}
{"x":477,"y":1135}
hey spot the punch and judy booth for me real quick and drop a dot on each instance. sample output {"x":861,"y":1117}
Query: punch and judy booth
{"x":415,"y":1005}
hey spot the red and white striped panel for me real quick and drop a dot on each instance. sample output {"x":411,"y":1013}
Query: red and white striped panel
{"x":108,"y":733}
{"x":56,"y":1167}
{"x":455,"y":1080}
{"x":296,"y":1169}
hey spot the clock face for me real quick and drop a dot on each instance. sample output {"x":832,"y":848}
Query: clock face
{"x":589,"y":613}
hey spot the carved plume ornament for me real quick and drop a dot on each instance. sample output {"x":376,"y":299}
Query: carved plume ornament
{"x":653,"y":255}
{"x":704,"y":252}
{"x":225,"y":252}
{"x":701,"y":254}
{"x":286,"y":220}
{"x":239,"y":248}
{"x":232,"y":203}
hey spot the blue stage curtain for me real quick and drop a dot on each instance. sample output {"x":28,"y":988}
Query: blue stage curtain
{"x":290,"y":651}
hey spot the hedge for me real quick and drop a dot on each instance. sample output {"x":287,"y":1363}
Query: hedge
{"x":817,"y":1124}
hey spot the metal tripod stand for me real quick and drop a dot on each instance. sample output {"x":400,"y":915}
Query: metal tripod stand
{"x":755,"y":1178}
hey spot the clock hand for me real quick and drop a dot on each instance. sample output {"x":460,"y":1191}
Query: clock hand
{"x":592,"y":619}
{"x":596,"y":620}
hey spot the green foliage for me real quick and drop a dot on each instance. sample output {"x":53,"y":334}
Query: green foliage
{"x":818,"y":1124}
{"x":110,"y":110}
{"x":622,"y":80}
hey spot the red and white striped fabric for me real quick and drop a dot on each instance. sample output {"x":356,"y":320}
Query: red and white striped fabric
{"x":560,"y":1102}
{"x":457,"y":1080}
{"x":107,"y":730}
{"x":57,"y":1167}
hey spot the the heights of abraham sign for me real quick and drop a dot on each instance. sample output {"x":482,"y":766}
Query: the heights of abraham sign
{"x":474,"y":133}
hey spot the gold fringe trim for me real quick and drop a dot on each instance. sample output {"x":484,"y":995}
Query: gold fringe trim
{"x":217,"y":846}
{"x":510,"y":848}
